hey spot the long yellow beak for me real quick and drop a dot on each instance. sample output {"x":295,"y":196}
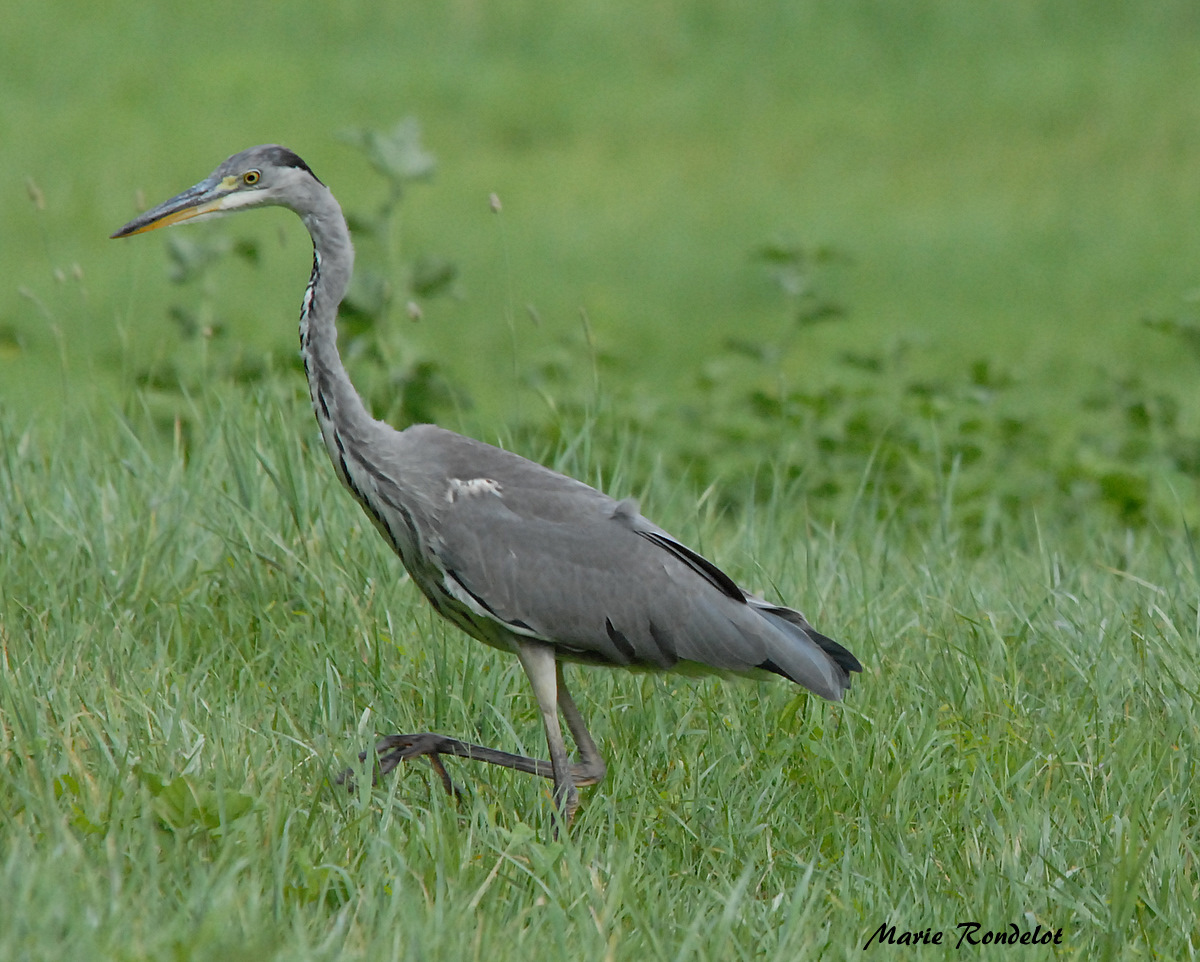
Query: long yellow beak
{"x":204,"y":199}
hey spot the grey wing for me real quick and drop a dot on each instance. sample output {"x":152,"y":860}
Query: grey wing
{"x":551,"y":558}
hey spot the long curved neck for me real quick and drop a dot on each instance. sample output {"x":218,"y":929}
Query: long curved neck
{"x":340,"y":411}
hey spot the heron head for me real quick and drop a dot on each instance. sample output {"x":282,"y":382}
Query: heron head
{"x":258,"y":177}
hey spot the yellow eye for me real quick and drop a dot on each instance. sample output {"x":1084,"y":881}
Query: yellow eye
{"x":251,"y":177}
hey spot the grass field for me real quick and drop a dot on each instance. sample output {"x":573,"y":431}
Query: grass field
{"x":191,"y":650}
{"x":953,"y":441}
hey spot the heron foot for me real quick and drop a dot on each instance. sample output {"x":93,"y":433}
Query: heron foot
{"x":394,"y":749}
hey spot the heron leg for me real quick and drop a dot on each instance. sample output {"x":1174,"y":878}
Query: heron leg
{"x":394,"y":749}
{"x":590,"y":769}
{"x":537,"y":658}
{"x":550,"y":689}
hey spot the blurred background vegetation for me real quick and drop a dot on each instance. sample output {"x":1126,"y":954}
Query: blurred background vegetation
{"x":962,"y":232}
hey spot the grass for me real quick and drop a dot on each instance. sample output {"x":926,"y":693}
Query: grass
{"x":192,"y":646}
{"x":982,"y":478}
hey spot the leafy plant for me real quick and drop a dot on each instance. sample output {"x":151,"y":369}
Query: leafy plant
{"x":872,"y":432}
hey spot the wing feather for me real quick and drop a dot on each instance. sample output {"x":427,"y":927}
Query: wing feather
{"x":550,"y":557}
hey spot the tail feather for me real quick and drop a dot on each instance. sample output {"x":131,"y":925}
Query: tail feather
{"x":796,"y":627}
{"x":839,"y":653}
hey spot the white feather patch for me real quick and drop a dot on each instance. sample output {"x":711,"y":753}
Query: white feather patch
{"x":472,"y":488}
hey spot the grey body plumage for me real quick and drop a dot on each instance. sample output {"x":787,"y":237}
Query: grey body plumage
{"x":519,"y":556}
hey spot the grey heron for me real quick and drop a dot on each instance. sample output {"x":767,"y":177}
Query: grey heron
{"x":518,"y":556}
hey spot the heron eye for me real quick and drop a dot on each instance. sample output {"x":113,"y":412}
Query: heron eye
{"x":251,"y":177}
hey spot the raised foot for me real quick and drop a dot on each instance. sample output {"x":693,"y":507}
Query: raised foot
{"x":394,"y":749}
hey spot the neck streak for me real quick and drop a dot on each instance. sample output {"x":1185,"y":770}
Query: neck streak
{"x":340,"y":411}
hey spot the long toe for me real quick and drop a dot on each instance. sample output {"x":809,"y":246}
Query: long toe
{"x":435,"y":762}
{"x":346,"y":777}
{"x":388,"y":753}
{"x":394,"y":749}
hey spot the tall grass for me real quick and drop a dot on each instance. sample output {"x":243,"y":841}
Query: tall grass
{"x":197,"y":633}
